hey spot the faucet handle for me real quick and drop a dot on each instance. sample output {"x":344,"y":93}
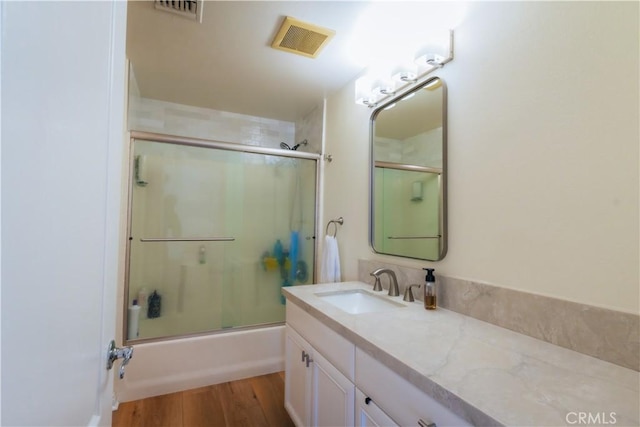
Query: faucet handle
{"x":377,"y":286}
{"x":408,"y":294}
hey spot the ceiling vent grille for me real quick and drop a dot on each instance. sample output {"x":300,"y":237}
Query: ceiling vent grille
{"x":191,"y":9}
{"x":301,"y":38}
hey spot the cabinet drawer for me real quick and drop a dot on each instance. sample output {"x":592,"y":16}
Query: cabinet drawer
{"x":334,"y":347}
{"x":398,"y":398}
{"x":368,"y":414}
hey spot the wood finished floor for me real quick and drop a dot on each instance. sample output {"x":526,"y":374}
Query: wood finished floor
{"x":257,"y":401}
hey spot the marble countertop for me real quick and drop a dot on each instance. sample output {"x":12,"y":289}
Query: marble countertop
{"x":486,"y":374}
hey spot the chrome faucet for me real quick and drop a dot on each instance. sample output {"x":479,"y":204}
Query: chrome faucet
{"x":393,"y":281}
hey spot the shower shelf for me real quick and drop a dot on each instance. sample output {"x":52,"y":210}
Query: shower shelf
{"x":188,"y":239}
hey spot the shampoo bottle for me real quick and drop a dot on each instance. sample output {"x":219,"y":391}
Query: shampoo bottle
{"x":143,"y":296}
{"x":133,"y":320}
{"x":430,"y":290}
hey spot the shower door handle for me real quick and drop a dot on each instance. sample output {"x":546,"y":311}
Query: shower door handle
{"x":114,"y":353}
{"x":185,"y":239}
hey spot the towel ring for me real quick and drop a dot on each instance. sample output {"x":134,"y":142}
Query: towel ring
{"x":335,"y":226}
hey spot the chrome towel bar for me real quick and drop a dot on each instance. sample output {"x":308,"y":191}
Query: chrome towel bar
{"x":415,"y":237}
{"x":188,"y":239}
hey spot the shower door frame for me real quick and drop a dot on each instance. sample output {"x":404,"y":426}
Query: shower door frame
{"x":213,"y":144}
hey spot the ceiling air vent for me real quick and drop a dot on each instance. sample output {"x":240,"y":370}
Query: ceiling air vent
{"x":301,"y":37}
{"x":190,"y":9}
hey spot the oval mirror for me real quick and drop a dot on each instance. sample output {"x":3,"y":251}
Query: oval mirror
{"x":408,"y":198}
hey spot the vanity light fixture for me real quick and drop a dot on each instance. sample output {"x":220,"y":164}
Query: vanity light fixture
{"x":406,"y":77}
{"x":431,"y":60}
{"x":383,"y":90}
{"x":368,"y":101}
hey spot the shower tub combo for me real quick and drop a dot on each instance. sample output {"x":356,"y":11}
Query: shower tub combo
{"x":215,"y":230}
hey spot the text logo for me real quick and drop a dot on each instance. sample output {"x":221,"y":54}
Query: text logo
{"x":591,"y":418}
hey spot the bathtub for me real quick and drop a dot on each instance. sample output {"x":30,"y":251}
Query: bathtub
{"x":169,"y":366}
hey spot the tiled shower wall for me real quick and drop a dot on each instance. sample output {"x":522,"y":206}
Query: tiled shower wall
{"x":424,"y":149}
{"x":310,"y":127}
{"x":167,"y":118}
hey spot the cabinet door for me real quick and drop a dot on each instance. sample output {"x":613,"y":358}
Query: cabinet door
{"x":368,"y":414}
{"x":297,"y":383}
{"x":333,"y":395}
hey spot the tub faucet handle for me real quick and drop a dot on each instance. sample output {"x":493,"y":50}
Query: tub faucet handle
{"x":115,"y":353}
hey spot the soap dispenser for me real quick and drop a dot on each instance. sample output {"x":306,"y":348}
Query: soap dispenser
{"x":430,"y":290}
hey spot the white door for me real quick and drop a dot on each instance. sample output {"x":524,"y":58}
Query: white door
{"x":63,"y":68}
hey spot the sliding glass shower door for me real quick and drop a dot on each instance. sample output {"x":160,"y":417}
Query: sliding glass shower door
{"x":214,"y":234}
{"x":408,"y":212}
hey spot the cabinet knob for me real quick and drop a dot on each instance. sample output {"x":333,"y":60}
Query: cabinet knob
{"x":367,"y":400}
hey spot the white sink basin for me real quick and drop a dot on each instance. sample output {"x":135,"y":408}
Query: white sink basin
{"x":357,"y":301}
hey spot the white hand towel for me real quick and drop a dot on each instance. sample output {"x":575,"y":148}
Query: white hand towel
{"x":330,"y":271}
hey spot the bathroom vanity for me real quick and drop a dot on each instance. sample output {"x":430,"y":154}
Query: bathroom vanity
{"x":329,"y":381}
{"x":397,"y":364}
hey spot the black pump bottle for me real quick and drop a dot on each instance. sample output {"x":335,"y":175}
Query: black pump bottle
{"x":430,"y":290}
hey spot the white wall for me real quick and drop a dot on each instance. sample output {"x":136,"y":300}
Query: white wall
{"x":543,"y":153}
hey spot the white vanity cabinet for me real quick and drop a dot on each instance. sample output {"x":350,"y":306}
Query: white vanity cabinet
{"x":331,"y":382}
{"x":319,"y":389}
{"x":398,"y":398}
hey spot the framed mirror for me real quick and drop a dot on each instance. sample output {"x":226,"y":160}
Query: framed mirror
{"x":408,"y":190}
